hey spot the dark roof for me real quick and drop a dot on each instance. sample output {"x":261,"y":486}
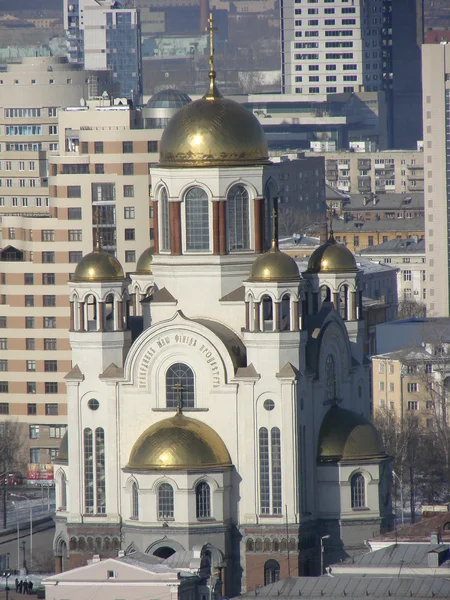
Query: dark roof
{"x":408,"y":555}
{"x":324,"y":587}
{"x":420,"y":531}
{"x":233,"y":343}
{"x":237,"y":295}
{"x":398,"y":246}
{"x":392,"y":202}
{"x":168,"y":98}
{"x":332,"y":194}
{"x":400,"y":225}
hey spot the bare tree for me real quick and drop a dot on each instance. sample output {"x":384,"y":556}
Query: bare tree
{"x":409,"y":308}
{"x":11,"y":459}
{"x":295,"y":220}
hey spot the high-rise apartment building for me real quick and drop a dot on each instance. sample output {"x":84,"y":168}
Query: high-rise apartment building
{"x":106,"y":35}
{"x":436,"y":126}
{"x":332,"y":46}
{"x":99,"y":177}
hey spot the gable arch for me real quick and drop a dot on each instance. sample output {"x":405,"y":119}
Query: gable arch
{"x":157,"y":188}
{"x":195,"y":184}
{"x":251,"y":189}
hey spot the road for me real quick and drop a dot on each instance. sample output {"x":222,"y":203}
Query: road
{"x":42,"y":546}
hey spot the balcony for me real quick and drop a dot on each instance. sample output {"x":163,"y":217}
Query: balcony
{"x":364,"y":164}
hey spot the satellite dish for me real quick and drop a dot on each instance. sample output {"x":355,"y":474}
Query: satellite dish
{"x":82,"y":102}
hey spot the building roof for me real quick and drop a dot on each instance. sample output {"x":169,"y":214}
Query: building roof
{"x":406,"y":355}
{"x":366,"y":588}
{"x":169,"y":98}
{"x":409,"y":246}
{"x":333,"y":194}
{"x":395,"y":555}
{"x":414,"y":201}
{"x":418,"y":532}
{"x":382,"y":225}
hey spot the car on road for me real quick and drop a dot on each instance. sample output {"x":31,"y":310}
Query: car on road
{"x":14,"y":479}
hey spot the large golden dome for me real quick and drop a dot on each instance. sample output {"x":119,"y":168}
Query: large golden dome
{"x":332,"y":257}
{"x":274,"y":265}
{"x":144,"y":263}
{"x":178,"y":443}
{"x":98,"y":266}
{"x":346,"y":435}
{"x":213,"y":132}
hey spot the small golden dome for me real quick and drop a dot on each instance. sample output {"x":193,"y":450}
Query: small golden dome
{"x":178,"y":443}
{"x":63,"y":452}
{"x":98,"y":266}
{"x":144,"y":264}
{"x":213,"y":132}
{"x":346,"y":435}
{"x":332,"y":257}
{"x":274,"y":265}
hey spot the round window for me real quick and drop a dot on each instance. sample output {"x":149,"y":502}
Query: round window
{"x":269,"y":404}
{"x":93,"y":404}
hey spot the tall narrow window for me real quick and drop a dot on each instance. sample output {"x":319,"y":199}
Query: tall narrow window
{"x":180,"y":386}
{"x":238,"y":218}
{"x":343,"y":302}
{"x":165,"y":220}
{"x":203,"y":500}
{"x":63,"y":498}
{"x":358,"y":488}
{"x":165,"y":501}
{"x":325,"y":293}
{"x":197,"y":220}
{"x":275,"y":455}
{"x":330,"y":375}
{"x":100,"y":470}
{"x":271,"y":571}
{"x":134,"y":501}
{"x":267,"y":313}
{"x":88,"y":472}
{"x":285,"y":324}
{"x":264,"y":471}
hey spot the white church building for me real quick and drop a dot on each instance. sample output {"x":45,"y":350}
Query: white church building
{"x":236,"y":423}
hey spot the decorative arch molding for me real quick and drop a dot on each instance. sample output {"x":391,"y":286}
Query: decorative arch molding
{"x":157,"y":189}
{"x":207,"y":479}
{"x":130,"y":482}
{"x":333,"y":339}
{"x":181,"y":334}
{"x":195,"y":184}
{"x":251,"y":189}
{"x":276,"y":295}
{"x":165,"y":541}
{"x":361,"y":471}
{"x":131,"y":548}
{"x":164,"y":479}
{"x":58,"y":545}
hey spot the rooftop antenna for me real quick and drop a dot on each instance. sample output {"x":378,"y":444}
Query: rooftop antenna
{"x":212,"y":92}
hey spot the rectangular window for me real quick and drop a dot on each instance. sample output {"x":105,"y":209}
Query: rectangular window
{"x":129,"y":234}
{"x":49,"y":343}
{"x":3,"y":343}
{"x":31,"y":387}
{"x":31,"y":365}
{"x":50,"y":366}
{"x":127,"y":147}
{"x":49,"y":322}
{"x":75,"y":256}
{"x":98,"y":147}
{"x":4,"y":388}
{"x":48,"y":257}
{"x":35,"y":455}
{"x":4,"y":406}
{"x":152,"y":146}
{"x":57,"y":432}
{"x":128,"y":212}
{"x":29,"y":322}
{"x":48,"y":278}
{"x":34,"y":432}
{"x":413,"y":405}
{"x":381,"y":368}
{"x":407,"y":275}
{"x":3,"y":365}
{"x":30,"y":343}
{"x":29,"y":301}
{"x":381,"y":386}
{"x":128,"y":191}
{"x":51,"y":387}
{"x":413,"y":387}
{"x":370,"y":241}
{"x":103,"y":192}
{"x":74,"y":214}
{"x":75,"y":235}
{"x":3,"y":322}
{"x":31,"y":408}
{"x":99,"y":169}
{"x":74,"y":191}
{"x":49,"y":300}
{"x":130,"y":256}
{"x":391,"y":387}
{"x":128,"y":168}
{"x":48,"y":235}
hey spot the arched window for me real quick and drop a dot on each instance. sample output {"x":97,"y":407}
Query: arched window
{"x":238,"y":218}
{"x":100,"y":470}
{"x":134,"y":501}
{"x":270,"y":471}
{"x":165,"y":220}
{"x":330,"y":376}
{"x":88,"y":447}
{"x":343,"y":302}
{"x":165,"y":502}
{"x":267,"y":545}
{"x":180,"y":386}
{"x":249,"y":545}
{"x":267,"y":313}
{"x":285,"y":324}
{"x":358,"y":488}
{"x":271,"y":572}
{"x":63,"y":497}
{"x":325,"y":293}
{"x":197,"y":220}
{"x":258,"y":545}
{"x":203,"y":500}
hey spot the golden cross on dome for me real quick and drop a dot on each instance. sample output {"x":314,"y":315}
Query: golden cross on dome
{"x":98,"y":243}
{"x":211,"y":29}
{"x":275,"y":223}
{"x":331,"y":226}
{"x":178,"y":389}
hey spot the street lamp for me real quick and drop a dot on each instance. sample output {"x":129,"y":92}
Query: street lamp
{"x":6,"y":575}
{"x":394,"y":475}
{"x":31,"y":525}
{"x":322,"y":551}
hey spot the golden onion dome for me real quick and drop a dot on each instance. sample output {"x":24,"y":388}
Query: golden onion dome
{"x":274,"y":265}
{"x":213,"y":132}
{"x":98,"y":266}
{"x":179,"y":443}
{"x":346,"y":435}
{"x":332,"y":257}
{"x":63,"y":452}
{"x":144,"y":263}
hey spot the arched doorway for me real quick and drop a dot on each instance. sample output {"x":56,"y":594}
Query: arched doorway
{"x":164,"y":552}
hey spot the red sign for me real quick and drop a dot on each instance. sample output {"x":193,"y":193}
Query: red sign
{"x":38,"y":472}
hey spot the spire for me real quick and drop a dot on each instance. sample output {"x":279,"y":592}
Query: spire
{"x":275,"y":224}
{"x":97,"y":242}
{"x":212,"y":92}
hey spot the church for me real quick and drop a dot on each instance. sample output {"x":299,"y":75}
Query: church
{"x":218,"y":401}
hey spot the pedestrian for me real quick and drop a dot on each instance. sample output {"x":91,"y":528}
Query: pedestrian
{"x":20,"y":586}
{"x":17,"y":583}
{"x":30,"y":587}
{"x":25,"y":588}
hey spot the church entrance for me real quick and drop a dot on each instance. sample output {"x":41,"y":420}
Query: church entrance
{"x":164,"y":552}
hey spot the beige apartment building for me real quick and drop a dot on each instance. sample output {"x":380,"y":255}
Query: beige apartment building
{"x":387,"y":171}
{"x":99,"y":178}
{"x":436,"y":122}
{"x":400,"y":382}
